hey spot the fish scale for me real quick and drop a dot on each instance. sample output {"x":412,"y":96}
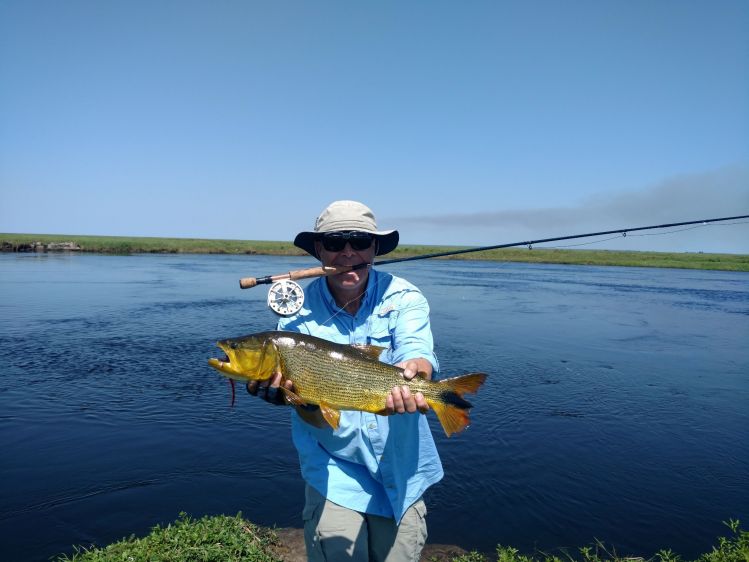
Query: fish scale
{"x":345,"y":383}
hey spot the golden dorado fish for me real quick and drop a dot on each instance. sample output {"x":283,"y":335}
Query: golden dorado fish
{"x":340,"y":377}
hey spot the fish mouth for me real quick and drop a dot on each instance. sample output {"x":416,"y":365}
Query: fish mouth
{"x":224,"y":364}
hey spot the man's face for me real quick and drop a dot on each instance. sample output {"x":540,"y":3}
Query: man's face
{"x":347,"y":248}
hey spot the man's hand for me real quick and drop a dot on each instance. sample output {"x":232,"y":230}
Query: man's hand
{"x":268,"y":390}
{"x":400,"y":400}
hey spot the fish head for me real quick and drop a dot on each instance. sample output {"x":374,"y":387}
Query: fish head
{"x":248,"y":358}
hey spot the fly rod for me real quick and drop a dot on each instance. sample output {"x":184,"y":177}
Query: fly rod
{"x":248,"y":282}
{"x":286,"y":297}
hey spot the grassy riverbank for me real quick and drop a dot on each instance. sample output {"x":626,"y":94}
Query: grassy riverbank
{"x":133,"y":245}
{"x":226,"y":539}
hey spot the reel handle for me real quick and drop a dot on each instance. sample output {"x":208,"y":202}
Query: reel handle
{"x":249,"y":282}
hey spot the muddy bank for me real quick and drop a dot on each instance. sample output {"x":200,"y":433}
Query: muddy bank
{"x":290,"y":548}
{"x":39,"y":247}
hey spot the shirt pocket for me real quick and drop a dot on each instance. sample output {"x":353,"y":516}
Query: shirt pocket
{"x":381,"y":331}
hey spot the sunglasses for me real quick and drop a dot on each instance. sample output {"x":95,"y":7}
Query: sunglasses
{"x":336,"y":241}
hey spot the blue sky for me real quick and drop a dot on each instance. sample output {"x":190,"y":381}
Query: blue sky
{"x":477,"y":122}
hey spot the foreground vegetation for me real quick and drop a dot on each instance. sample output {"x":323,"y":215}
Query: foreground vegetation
{"x":226,"y":539}
{"x":133,"y":245}
{"x":218,"y":538}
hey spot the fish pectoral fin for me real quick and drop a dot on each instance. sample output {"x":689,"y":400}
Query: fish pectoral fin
{"x":331,"y":415}
{"x":371,"y":351}
{"x":291,"y":397}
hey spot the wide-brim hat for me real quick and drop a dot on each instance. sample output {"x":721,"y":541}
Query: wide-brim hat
{"x":347,"y":215}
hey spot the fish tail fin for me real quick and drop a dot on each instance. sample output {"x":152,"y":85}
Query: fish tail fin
{"x":453,"y":419}
{"x":451,"y":408}
{"x":464,"y":383}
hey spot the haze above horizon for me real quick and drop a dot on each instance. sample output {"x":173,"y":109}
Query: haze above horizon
{"x":459,"y":123}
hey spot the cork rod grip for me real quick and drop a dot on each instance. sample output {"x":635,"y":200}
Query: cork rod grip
{"x":249,"y":282}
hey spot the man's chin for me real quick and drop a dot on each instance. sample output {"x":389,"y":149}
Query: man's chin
{"x":349,"y":280}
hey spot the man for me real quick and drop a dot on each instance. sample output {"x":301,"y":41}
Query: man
{"x":365,"y":480}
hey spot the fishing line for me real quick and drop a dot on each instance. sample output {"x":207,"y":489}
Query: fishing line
{"x":343,"y":308}
{"x":361,"y":297}
{"x":586,"y":243}
{"x":646,"y":234}
{"x":364,"y":296}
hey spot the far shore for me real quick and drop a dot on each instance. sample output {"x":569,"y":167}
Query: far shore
{"x":138,"y":245}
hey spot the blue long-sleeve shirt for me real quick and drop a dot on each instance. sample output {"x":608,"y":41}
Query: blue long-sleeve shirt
{"x":374,"y":464}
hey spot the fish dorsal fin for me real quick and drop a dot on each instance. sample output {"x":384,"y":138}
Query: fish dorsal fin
{"x":422,"y":375}
{"x":371,"y":351}
{"x":331,"y":415}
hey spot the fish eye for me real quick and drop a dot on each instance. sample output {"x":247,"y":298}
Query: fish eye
{"x":233,"y":345}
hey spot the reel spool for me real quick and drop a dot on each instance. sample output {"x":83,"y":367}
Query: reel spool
{"x":285,"y":297}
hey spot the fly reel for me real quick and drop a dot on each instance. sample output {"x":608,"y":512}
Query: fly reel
{"x":285,"y":297}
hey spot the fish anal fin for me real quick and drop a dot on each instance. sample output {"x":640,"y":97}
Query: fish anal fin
{"x":371,"y":351}
{"x":453,"y":419}
{"x":331,"y":415}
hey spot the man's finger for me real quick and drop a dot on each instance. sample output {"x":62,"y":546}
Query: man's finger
{"x":397,"y":400}
{"x":409,"y":403}
{"x":409,"y":372}
{"x":421,"y":403}
{"x":389,"y":404}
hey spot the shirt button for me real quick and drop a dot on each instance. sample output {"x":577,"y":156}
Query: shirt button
{"x":372,"y":426}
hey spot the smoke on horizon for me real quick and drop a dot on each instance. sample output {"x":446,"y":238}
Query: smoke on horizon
{"x":708,"y":195}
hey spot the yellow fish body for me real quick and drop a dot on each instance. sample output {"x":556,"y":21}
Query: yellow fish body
{"x":340,"y":377}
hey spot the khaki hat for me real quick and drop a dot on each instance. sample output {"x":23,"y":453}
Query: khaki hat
{"x":347,"y":215}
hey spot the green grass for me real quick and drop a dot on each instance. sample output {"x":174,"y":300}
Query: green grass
{"x":137,"y":245}
{"x":734,"y":548}
{"x":209,"y":539}
{"x":228,"y":539}
{"x":684,"y":260}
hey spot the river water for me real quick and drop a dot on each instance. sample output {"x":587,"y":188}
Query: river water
{"x":615,"y":408}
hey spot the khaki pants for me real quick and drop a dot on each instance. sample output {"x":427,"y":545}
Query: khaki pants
{"x":334,"y":533}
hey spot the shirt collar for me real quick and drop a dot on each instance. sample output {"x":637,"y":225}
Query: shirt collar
{"x":366,"y":300}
